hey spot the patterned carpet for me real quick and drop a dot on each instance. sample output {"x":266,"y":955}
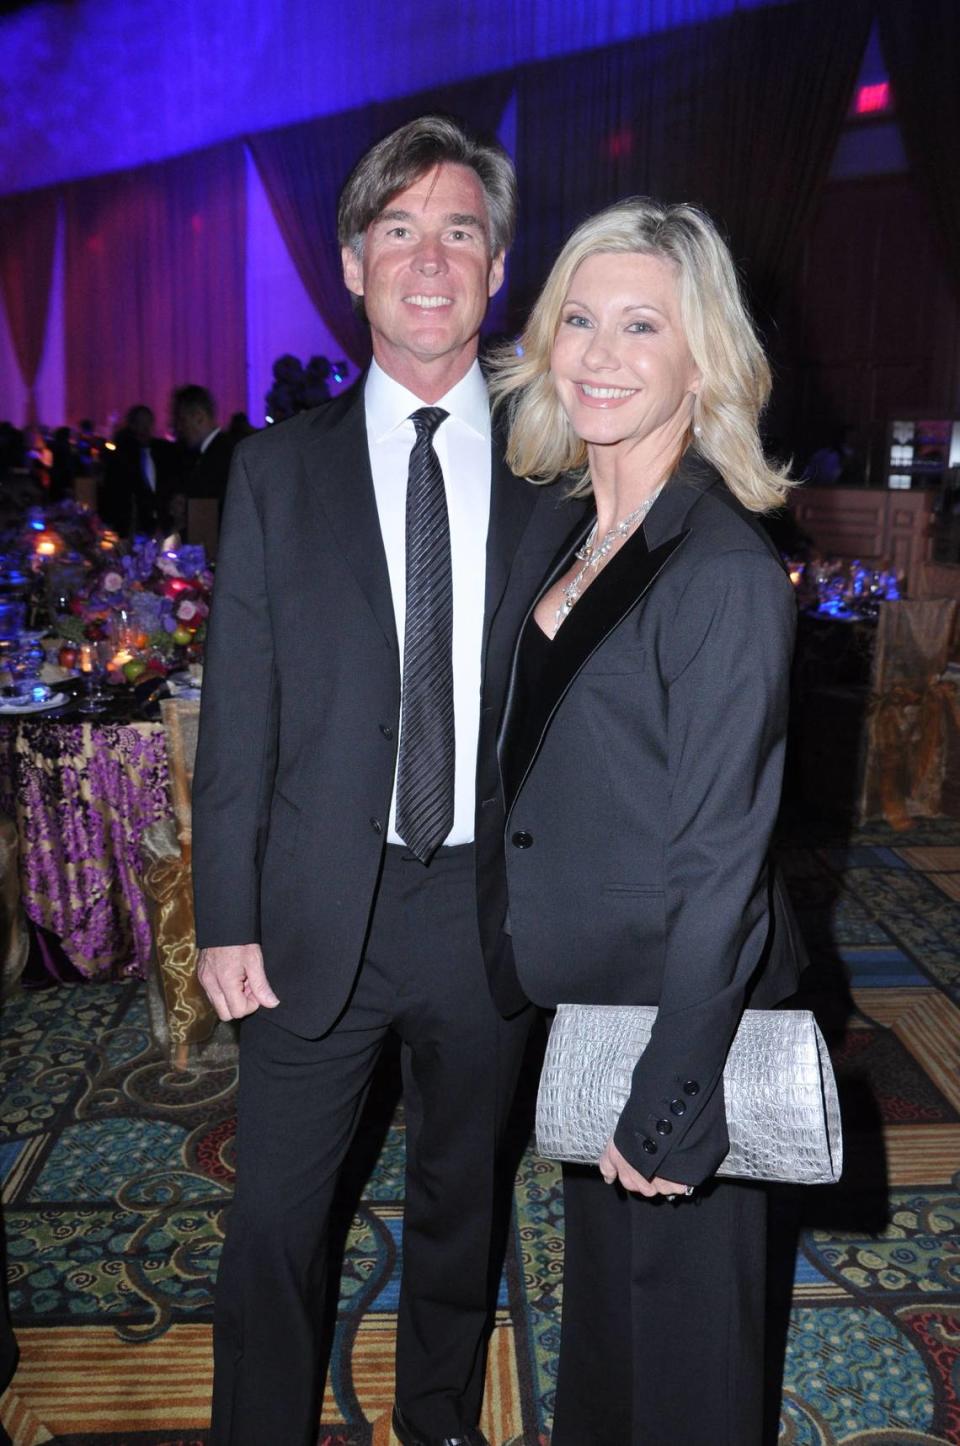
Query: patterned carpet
{"x":116,"y":1171}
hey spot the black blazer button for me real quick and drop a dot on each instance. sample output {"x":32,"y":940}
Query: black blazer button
{"x":376,"y":825}
{"x":522,"y":840}
{"x":664,"y":1127}
{"x":678,"y":1107}
{"x":691,"y":1087}
{"x":650,"y":1147}
{"x":386,"y":730}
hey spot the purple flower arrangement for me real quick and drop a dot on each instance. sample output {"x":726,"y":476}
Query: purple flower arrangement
{"x":152,"y":602}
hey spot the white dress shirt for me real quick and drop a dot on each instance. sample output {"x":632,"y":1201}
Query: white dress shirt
{"x":462,"y":445}
{"x":149,"y":468}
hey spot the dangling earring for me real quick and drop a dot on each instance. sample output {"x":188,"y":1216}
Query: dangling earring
{"x":697,"y":429}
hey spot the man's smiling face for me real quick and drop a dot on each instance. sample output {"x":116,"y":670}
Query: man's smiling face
{"x":426,"y":276}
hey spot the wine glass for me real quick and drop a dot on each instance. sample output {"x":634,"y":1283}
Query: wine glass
{"x":93,"y":661}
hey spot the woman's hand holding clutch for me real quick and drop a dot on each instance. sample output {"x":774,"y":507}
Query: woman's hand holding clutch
{"x":613,"y":1166}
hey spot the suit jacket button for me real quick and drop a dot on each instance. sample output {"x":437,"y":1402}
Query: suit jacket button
{"x":650,"y":1147}
{"x":678,"y":1107}
{"x":376,"y":825}
{"x":664,"y":1127}
{"x":522,"y":840}
{"x":386,"y":730}
{"x":691,"y":1087}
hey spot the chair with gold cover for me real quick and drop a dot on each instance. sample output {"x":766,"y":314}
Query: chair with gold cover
{"x":909,"y":712}
{"x":181,"y":1017}
{"x":203,"y":523}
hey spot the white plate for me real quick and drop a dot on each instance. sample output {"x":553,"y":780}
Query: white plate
{"x":9,"y":709}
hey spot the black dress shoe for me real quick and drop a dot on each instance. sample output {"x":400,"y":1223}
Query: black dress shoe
{"x":408,"y":1435}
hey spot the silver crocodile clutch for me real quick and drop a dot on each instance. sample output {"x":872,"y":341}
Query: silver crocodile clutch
{"x":780,"y":1096}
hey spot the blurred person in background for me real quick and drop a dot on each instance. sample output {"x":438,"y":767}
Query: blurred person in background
{"x":135,"y":493}
{"x":207,"y":450}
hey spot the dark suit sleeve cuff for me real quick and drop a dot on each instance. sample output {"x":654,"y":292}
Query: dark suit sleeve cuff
{"x":694,"y":1157}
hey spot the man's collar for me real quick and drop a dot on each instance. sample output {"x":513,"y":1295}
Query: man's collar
{"x":388,"y":403}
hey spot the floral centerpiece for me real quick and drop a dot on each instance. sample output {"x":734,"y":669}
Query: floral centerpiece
{"x":64,"y":529}
{"x":151,"y":604}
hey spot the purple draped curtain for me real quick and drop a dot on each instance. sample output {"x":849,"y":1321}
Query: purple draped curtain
{"x":156,"y":286}
{"x":28,"y":236}
{"x":304,"y":166}
{"x":740,"y":115}
{"x":921,"y":45}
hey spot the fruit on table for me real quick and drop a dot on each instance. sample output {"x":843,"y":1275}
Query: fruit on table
{"x":183,"y":635}
{"x":134,"y":669}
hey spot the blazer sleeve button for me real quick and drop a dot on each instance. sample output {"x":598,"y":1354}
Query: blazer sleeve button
{"x":386,"y":730}
{"x":376,"y":825}
{"x":663,"y":1127}
{"x":650,"y":1147}
{"x":522,"y":840}
{"x":691,"y":1087}
{"x":678,"y":1107}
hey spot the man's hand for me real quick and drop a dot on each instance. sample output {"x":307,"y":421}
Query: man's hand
{"x":614,"y":1167}
{"x":234,"y":980}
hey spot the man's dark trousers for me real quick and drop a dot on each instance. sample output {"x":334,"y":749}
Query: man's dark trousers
{"x":423,"y":977}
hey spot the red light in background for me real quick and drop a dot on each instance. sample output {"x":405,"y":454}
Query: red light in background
{"x":196,"y":221}
{"x":873,"y":98}
{"x":619,"y":144}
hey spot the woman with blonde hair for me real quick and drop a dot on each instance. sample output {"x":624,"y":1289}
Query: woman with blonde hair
{"x":641,"y":753}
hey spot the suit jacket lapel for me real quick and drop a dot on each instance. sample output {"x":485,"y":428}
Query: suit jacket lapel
{"x":338,"y":460}
{"x":602,"y":608}
{"x":512,"y":501}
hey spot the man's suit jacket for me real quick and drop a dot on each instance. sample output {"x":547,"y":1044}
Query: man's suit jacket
{"x":642,"y":778}
{"x":127,"y":502}
{"x":209,"y":471}
{"x":301,"y":706}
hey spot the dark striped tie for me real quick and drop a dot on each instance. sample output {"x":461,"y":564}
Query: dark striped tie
{"x":427,"y":744}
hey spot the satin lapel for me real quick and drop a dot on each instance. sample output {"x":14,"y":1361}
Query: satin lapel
{"x":338,"y":462}
{"x":602,"y":607}
{"x":512,"y":501}
{"x":559,"y":567}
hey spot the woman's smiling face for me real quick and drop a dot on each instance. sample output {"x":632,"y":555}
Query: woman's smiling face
{"x":620,"y":360}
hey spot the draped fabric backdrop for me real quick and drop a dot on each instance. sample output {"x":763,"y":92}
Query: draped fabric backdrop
{"x":303,"y":168}
{"x":155,"y":284}
{"x":28,"y":237}
{"x":92,"y":86}
{"x":789,"y":80}
{"x":921,"y":45}
{"x":740,"y":116}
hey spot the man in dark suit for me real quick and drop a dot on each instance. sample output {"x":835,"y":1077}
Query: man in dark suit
{"x":376,"y":558}
{"x":208,"y":448}
{"x":137,"y":477}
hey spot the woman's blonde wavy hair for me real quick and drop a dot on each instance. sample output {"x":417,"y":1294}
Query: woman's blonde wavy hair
{"x":735,"y":377}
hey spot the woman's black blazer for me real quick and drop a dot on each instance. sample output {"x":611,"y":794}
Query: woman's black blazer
{"x":642,"y":774}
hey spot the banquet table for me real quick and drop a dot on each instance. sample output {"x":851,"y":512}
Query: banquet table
{"x":82,"y":791}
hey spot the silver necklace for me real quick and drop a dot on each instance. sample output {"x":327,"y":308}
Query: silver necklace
{"x":592,"y":553}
